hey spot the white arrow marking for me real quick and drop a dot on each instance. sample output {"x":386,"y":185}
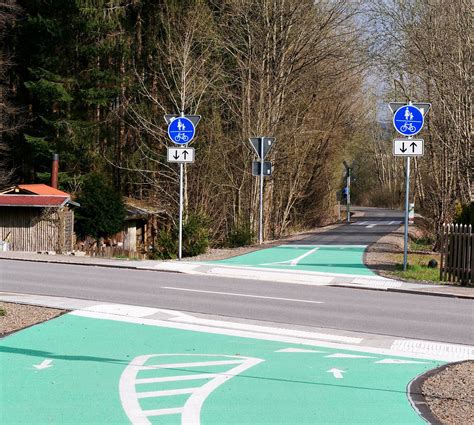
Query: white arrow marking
{"x":397,"y":361}
{"x":297,"y":350}
{"x":43,"y":365}
{"x":337,"y":373}
{"x":348,"y":356}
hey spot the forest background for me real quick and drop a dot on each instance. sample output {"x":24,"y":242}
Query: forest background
{"x":92,"y":79}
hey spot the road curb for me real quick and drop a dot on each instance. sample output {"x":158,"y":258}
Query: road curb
{"x":113,"y":266}
{"x":406,"y":291}
{"x":418,"y":400}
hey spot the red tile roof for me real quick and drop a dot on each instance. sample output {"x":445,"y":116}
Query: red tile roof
{"x":32,"y":201}
{"x":42,"y":189}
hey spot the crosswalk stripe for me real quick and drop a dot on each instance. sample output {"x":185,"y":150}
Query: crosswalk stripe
{"x":176,"y":378}
{"x":160,"y":412}
{"x":164,"y":393}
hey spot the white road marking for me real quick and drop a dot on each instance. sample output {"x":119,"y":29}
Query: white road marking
{"x":164,"y":393}
{"x":183,"y":365}
{"x":348,"y":356}
{"x":193,"y":377}
{"x":242,"y":295}
{"x":191,"y":411}
{"x":429,"y":347}
{"x":44,"y":364}
{"x":370,"y":226}
{"x":297,"y":350}
{"x":337,"y":373}
{"x":159,"y":412}
{"x":294,"y":261}
{"x":433,"y":355}
{"x":397,"y":361}
{"x":269,"y":330}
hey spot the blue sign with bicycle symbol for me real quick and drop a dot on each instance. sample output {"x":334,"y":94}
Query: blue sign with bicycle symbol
{"x":181,"y":130}
{"x":408,"y":120}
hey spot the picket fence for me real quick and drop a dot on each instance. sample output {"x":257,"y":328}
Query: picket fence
{"x":457,"y":254}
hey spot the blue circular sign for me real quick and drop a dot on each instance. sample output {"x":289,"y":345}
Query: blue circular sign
{"x":408,"y":120}
{"x":181,"y":130}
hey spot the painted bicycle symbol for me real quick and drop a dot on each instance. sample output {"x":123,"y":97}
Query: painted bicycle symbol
{"x":408,"y":126}
{"x":181,"y":137}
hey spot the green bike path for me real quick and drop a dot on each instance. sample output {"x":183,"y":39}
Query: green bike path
{"x":339,"y":259}
{"x":84,"y":370}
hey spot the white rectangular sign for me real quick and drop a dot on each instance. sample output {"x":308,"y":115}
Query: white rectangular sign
{"x":408,"y":147}
{"x":180,"y":154}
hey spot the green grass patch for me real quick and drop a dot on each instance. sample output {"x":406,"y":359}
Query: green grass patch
{"x":421,"y":244}
{"x":2,"y":312}
{"x":417,"y":267}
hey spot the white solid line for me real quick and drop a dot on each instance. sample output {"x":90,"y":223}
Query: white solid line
{"x":434,"y":355}
{"x":396,"y":361}
{"x":176,"y":378}
{"x":194,"y":364}
{"x":294,"y":261}
{"x":161,"y":412}
{"x":242,"y":295}
{"x":297,"y":350}
{"x":269,"y":330}
{"x":348,"y":356}
{"x":164,"y":393}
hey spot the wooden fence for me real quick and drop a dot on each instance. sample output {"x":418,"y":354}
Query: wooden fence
{"x":457,"y":254}
{"x":113,"y":251}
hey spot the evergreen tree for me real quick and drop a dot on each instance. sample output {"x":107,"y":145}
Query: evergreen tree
{"x":102,"y":211}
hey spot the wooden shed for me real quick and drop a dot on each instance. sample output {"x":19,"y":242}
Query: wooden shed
{"x":36,"y":217}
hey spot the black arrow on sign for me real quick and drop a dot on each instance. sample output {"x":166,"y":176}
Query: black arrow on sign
{"x":403,"y":148}
{"x":185,"y":153}
{"x":413,"y":146}
{"x":175,"y":156}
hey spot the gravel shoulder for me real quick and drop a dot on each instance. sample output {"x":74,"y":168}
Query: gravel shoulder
{"x":20,"y":316}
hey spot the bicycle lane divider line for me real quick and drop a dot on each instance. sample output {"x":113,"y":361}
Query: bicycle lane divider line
{"x":294,"y":261}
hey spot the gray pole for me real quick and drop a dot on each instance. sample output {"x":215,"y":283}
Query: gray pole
{"x":407,"y":193}
{"x":349,"y":195}
{"x":260,"y":239}
{"x":181,"y":185}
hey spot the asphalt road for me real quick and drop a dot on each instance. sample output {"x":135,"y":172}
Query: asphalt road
{"x":396,"y":314}
{"x":377,"y":224}
{"x":386,"y":313}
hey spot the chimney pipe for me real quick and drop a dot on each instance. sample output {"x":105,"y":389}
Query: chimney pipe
{"x":54,"y":171}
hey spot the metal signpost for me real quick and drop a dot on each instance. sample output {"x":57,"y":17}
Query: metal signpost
{"x":181,"y":130}
{"x":348,"y":190}
{"x":262,"y":146}
{"x":408,"y":120}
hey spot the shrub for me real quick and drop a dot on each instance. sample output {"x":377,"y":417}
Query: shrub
{"x":240,"y":236}
{"x":465,"y":215}
{"x":195,"y":235}
{"x":195,"y":239}
{"x":102,"y":211}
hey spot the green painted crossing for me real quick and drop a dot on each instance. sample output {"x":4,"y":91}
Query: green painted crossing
{"x":339,"y":259}
{"x":101,"y":371}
